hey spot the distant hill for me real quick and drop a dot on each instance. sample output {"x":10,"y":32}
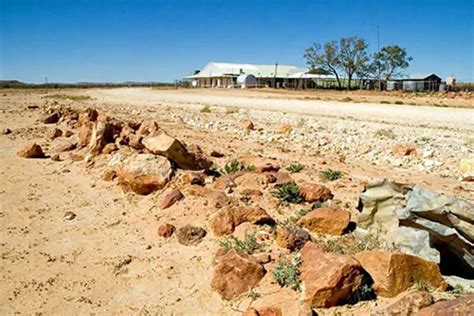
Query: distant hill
{"x":15,"y":84}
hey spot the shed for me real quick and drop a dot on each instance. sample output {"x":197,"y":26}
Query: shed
{"x":246,"y":80}
{"x":429,"y":82}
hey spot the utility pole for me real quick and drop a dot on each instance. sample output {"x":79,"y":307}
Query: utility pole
{"x":275,"y":75}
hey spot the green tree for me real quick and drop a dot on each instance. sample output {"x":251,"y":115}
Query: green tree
{"x":352,"y":56}
{"x":325,"y":58}
{"x":389,"y":61}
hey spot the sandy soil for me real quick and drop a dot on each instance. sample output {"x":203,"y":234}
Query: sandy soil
{"x":109,"y":259}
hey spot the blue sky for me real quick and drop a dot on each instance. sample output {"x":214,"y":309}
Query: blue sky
{"x":78,"y":40}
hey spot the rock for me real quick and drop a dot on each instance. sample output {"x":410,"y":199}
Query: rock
{"x":104,"y":131}
{"x":173,"y":149}
{"x":420,"y":222}
{"x":31,"y":151}
{"x":236,"y":273}
{"x":87,"y":116}
{"x":194,"y":177}
{"x":281,"y":178}
{"x":407,"y":303}
{"x":394,"y":273}
{"x":135,"y":141}
{"x":55,"y":157}
{"x":227,"y":181}
{"x":223,"y":222}
{"x":170,"y":197}
{"x":69,"y":216}
{"x":467,"y":169}
{"x":51,"y":118}
{"x":215,"y":198}
{"x":252,"y":180}
{"x":67,"y":146}
{"x":144,"y":173}
{"x":315,"y":192}
{"x":247,"y":125}
{"x":55,"y":133}
{"x":109,"y":148}
{"x":285,"y":129}
{"x":146,"y":128}
{"x":291,"y":238}
{"x":68,"y":133}
{"x":459,"y":307}
{"x":263,"y":311}
{"x":85,"y":133}
{"x":329,"y":279}
{"x":166,"y":230}
{"x":190,"y":235}
{"x":6,"y":131}
{"x":265,"y":165}
{"x":216,"y":154}
{"x":109,"y":175}
{"x":404,"y":149}
{"x":326,"y":220}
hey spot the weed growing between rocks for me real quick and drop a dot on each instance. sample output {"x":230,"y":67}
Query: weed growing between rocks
{"x":235,"y":166}
{"x":253,"y":294}
{"x":330,"y":175}
{"x":385,"y":133}
{"x":289,"y":192}
{"x":287,"y":272}
{"x":458,"y":290}
{"x":364,"y":293}
{"x":249,"y":245}
{"x":206,"y":109}
{"x":295,"y":168}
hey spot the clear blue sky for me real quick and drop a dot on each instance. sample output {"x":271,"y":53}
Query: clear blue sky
{"x":77,"y":40}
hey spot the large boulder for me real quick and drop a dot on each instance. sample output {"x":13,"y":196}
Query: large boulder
{"x":144,"y":173}
{"x":31,"y":151}
{"x":224,"y":221}
{"x":394,"y":273}
{"x":215,"y":198}
{"x":236,"y":273}
{"x":170,"y":147}
{"x":329,"y":279}
{"x":421,"y":222}
{"x":326,"y":220}
{"x":463,"y":306}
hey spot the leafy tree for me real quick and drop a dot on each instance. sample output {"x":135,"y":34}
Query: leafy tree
{"x":352,"y":56}
{"x":389,"y":61}
{"x":324,"y":58}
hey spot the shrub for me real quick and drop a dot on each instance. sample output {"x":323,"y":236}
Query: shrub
{"x":458,"y":290}
{"x":399,"y":102}
{"x":249,"y":245}
{"x":287,"y":272}
{"x":253,"y":294}
{"x":206,"y":109}
{"x":234,"y":166}
{"x":384,"y":102}
{"x":289,"y":192}
{"x":295,"y":168}
{"x":330,"y":175}
{"x":249,"y":168}
{"x":385,"y":133}
{"x":347,"y":99}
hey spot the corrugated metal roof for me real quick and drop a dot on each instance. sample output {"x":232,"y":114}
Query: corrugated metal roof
{"x":214,"y":69}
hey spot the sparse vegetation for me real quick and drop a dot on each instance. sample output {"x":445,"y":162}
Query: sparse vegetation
{"x":330,"y":174}
{"x":206,"y":109}
{"x":289,"y":192}
{"x":458,"y":290}
{"x":385,"y":133}
{"x":287,"y":272}
{"x":384,"y":102}
{"x":249,"y":245}
{"x":69,"y":97}
{"x":399,"y":102}
{"x":295,"y":167}
{"x":231,"y":109}
{"x":363,"y":293}
{"x":235,"y":166}
{"x":347,"y":99}
{"x":253,"y":294}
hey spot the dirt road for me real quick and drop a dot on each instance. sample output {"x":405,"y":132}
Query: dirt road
{"x":401,"y":114}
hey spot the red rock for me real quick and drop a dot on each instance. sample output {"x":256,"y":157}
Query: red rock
{"x":109,"y":175}
{"x":216,"y":198}
{"x":463,"y":306}
{"x":281,"y":178}
{"x":223,"y":222}
{"x":404,"y":149}
{"x":407,"y":303}
{"x":55,"y":133}
{"x":173,"y":149}
{"x":146,"y":128}
{"x":285,"y":129}
{"x":394,"y":273}
{"x":166,"y":230}
{"x":170,"y":197}
{"x":31,"y":151}
{"x":135,"y":141}
{"x":236,"y":273}
{"x":85,"y":133}
{"x":326,"y":221}
{"x":51,"y":118}
{"x":87,"y":116}
{"x":68,"y":133}
{"x":263,"y":311}
{"x":190,"y":235}
{"x":227,"y":181}
{"x":265,"y":165}
{"x":143,"y":173}
{"x":329,"y":278}
{"x":216,"y":154}
{"x":291,"y":238}
{"x":55,"y":157}
{"x":315,"y":192}
{"x":194,"y":177}
{"x":247,"y":125}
